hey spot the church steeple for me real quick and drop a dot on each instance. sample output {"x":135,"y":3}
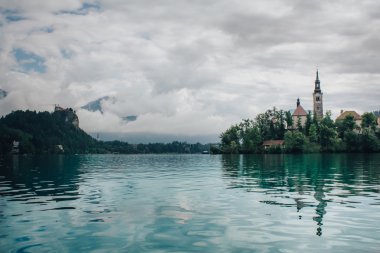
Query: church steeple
{"x":317,"y":98}
{"x":317,"y":83}
{"x":298,"y":102}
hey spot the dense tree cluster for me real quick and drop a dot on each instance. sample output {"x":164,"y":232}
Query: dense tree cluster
{"x":316,"y":135}
{"x":152,"y":148}
{"x":44,"y":132}
{"x":41,"y":132}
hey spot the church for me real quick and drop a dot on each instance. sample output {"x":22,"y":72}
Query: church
{"x":300,"y":115}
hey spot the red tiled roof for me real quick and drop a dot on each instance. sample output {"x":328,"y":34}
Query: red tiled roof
{"x":343,"y":115}
{"x":300,"y":111}
{"x":273,"y":143}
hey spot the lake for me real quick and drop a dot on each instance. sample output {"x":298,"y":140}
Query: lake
{"x":190,"y":203}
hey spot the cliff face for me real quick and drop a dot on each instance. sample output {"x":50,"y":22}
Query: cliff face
{"x":70,"y":115}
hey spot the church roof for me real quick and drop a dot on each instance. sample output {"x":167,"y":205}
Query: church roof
{"x":300,"y":111}
{"x":343,"y":115}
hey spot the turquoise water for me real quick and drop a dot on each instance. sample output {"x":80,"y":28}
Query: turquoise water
{"x":190,"y":203}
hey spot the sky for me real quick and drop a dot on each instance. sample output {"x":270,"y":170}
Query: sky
{"x":187,"y":67}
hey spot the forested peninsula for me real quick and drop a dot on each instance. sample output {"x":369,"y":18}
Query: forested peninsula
{"x":31,"y":132}
{"x":275,"y":131}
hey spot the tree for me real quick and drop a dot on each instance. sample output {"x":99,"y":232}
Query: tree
{"x":289,"y":119}
{"x":308,"y":123}
{"x":294,"y":141}
{"x":271,"y":124}
{"x":369,"y":141}
{"x":369,"y":121}
{"x":231,"y":139}
{"x":313,"y":133}
{"x":281,"y":124}
{"x":327,"y":121}
{"x":327,"y":133}
{"x":327,"y":137}
{"x":352,"y":141}
{"x":251,"y":140}
{"x":345,"y":125}
{"x":299,"y":124}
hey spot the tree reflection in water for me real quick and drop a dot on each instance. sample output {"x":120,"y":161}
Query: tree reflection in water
{"x":325,"y":177}
{"x":27,"y":177}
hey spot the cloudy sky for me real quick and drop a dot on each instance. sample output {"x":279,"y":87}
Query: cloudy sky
{"x":187,"y":67}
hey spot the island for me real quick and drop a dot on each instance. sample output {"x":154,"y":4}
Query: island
{"x":280,"y":131}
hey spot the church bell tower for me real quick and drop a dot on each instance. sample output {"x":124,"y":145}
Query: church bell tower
{"x":317,"y":99}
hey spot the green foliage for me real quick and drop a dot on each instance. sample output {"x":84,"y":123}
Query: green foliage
{"x":327,"y":121}
{"x":289,"y":119}
{"x":271,"y":124}
{"x":299,"y":124}
{"x":313,"y":133}
{"x":328,"y":138}
{"x":318,"y":135}
{"x":231,"y":139}
{"x":247,"y":136}
{"x":308,"y":123}
{"x":250,"y":136}
{"x":352,"y":141}
{"x":370,"y":143}
{"x":369,"y":121}
{"x":41,"y":133}
{"x":311,"y":147}
{"x":327,"y":134}
{"x":295,"y":141}
{"x":345,"y":125}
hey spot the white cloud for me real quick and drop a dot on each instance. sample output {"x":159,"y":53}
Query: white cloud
{"x":189,"y":67}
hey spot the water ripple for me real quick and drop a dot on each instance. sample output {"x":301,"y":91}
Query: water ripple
{"x":190,"y":203}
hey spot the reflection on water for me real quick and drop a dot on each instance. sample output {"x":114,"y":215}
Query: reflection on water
{"x":309,"y":180}
{"x":28,"y":179}
{"x":190,"y":203}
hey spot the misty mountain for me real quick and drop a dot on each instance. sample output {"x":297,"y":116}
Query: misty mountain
{"x":130,"y":118}
{"x":3,"y":94}
{"x":96,"y":105}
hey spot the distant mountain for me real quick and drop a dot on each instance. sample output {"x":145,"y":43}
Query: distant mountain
{"x":130,"y":118}
{"x":145,"y":138}
{"x":3,"y":94}
{"x":96,"y":105}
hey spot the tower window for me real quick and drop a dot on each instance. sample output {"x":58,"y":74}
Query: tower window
{"x":317,"y":98}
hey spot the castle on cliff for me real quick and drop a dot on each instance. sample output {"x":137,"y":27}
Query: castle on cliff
{"x":70,"y":115}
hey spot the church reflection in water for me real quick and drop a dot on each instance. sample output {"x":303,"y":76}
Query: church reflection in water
{"x":312,"y":180}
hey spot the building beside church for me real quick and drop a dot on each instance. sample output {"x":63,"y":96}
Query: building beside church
{"x":357,"y":117}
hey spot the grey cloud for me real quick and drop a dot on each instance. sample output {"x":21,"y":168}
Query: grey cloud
{"x":190,"y":66}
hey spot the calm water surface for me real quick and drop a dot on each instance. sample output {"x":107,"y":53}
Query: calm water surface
{"x":190,"y":203}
